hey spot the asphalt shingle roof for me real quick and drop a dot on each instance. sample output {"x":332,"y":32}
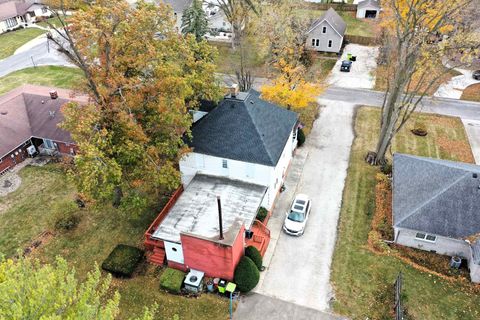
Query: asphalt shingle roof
{"x":245,"y":128}
{"x":29,"y":111}
{"x":368,"y":3}
{"x":436,"y":196}
{"x":334,"y":19}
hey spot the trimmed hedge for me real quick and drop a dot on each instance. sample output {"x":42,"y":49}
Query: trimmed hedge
{"x":262,"y":214}
{"x":246,"y":274}
{"x":123,"y":260}
{"x":300,"y":137}
{"x":255,"y":255}
{"x":172,"y":280}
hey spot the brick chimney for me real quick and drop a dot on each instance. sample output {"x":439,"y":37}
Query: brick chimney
{"x":53,"y":94}
{"x":234,"y":90}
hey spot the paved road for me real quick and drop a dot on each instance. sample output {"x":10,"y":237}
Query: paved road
{"x":258,"y":307}
{"x":299,"y":271}
{"x":41,"y":55}
{"x":445,"y":106}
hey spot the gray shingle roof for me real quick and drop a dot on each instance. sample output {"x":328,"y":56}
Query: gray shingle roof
{"x":246,"y":129}
{"x":177,"y":5}
{"x":334,"y":19}
{"x":368,"y":3}
{"x":436,"y":196}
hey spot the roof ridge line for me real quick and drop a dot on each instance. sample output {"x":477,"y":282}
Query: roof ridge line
{"x":258,"y":132}
{"x":413,"y":212}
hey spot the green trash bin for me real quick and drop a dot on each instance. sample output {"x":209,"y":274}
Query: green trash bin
{"x":222,"y":284}
{"x":349,"y":56}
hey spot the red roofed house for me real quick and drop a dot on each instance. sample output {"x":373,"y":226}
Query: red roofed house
{"x":29,"y":118}
{"x":241,"y":152}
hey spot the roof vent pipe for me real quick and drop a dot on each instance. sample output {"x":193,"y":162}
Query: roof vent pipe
{"x":234,"y":90}
{"x":220,"y":224}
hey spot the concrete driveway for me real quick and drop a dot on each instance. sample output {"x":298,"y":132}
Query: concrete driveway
{"x":361,"y":74}
{"x":454,"y":87}
{"x":257,"y":306}
{"x":298,"y":268}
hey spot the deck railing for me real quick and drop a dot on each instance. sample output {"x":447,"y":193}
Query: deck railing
{"x":149,"y":242}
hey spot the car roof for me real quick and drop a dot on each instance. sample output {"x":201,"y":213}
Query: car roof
{"x":298,"y":207}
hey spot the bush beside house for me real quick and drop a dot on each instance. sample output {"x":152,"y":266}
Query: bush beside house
{"x":300,"y":137}
{"x":255,"y":255}
{"x":246,"y":274}
{"x":172,"y":280}
{"x":262,"y":214}
{"x":123,"y":260}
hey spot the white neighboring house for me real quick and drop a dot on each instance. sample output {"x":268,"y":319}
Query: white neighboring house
{"x":220,"y":28}
{"x":326,"y":33}
{"x":244,"y":138}
{"x":368,"y":9}
{"x":178,"y":7}
{"x":16,"y":14}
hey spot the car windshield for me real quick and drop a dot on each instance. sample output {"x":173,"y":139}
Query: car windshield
{"x":296,"y":216}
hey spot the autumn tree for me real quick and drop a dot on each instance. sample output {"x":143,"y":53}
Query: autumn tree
{"x":142,"y":79}
{"x":30,"y":290}
{"x":283,"y":38}
{"x":236,"y":13}
{"x":194,"y":21}
{"x":418,"y":35}
{"x":290,"y":89}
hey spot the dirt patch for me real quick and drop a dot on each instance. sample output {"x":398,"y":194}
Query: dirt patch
{"x":42,"y":239}
{"x":9,"y":183}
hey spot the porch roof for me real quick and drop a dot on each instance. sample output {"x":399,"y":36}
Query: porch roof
{"x":196,"y":213}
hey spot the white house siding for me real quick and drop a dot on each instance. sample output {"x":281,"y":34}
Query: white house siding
{"x":6,"y":24}
{"x":324,"y":38}
{"x":272,"y":177}
{"x":442,"y":245}
{"x":474,"y":269}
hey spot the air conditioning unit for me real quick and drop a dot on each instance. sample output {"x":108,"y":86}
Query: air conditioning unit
{"x":194,"y":281}
{"x":32,"y":151}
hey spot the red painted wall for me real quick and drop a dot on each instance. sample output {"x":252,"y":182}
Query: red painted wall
{"x":216,"y":260}
{"x":9,"y":162}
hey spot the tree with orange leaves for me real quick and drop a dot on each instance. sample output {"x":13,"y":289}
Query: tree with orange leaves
{"x":418,"y":36}
{"x":142,"y":77}
{"x":290,"y":89}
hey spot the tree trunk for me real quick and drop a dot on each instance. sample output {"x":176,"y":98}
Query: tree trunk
{"x":236,"y":35}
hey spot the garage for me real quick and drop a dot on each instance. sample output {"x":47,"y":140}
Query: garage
{"x":368,"y":9}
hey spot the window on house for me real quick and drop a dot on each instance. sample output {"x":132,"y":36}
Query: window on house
{"x":329,"y":43}
{"x":48,"y":144}
{"x":313,"y":42}
{"x":12,"y":22}
{"x":324,"y":30}
{"x":294,"y":136}
{"x":224,"y":164}
{"x":425,"y":237}
{"x":317,"y":42}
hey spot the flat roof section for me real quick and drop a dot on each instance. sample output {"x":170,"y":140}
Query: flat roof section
{"x":196,"y":211}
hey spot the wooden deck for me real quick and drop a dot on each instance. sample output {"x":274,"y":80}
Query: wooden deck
{"x":261,"y":237}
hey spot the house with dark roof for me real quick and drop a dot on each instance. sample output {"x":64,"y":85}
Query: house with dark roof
{"x":15,"y":14}
{"x":29,"y":118}
{"x":240,"y":154}
{"x":436,"y":207}
{"x":368,"y":9}
{"x":326,"y":33}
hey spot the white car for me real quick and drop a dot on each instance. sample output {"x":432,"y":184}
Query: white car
{"x":296,"y":219}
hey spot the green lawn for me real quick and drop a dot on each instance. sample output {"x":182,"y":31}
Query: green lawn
{"x":11,"y":41}
{"x":62,"y":77}
{"x":46,"y":190}
{"x":363,"y":281}
{"x":355,"y":27}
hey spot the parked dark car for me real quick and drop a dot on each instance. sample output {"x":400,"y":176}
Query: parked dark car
{"x":476,"y":75}
{"x":346,"y":66}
